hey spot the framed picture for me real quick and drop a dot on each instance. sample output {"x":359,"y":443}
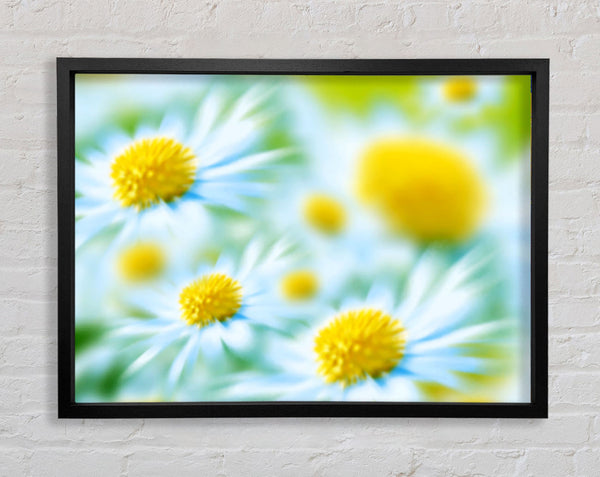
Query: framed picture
{"x":302,"y":237}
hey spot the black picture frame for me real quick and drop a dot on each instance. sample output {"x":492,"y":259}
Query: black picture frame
{"x":539,"y":71}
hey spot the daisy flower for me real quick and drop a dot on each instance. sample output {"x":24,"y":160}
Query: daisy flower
{"x":460,"y":88}
{"x":423,"y":188}
{"x":383,"y":349}
{"x":459,"y":95}
{"x":211,"y":160}
{"x":202,"y":316}
{"x":500,"y":105}
{"x":421,"y":180}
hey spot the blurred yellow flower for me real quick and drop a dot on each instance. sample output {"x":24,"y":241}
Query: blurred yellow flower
{"x":324,"y":213}
{"x":461,"y":88}
{"x":152,"y":170}
{"x":141,"y":262}
{"x":211,"y":298}
{"x":427,"y":190}
{"x":358,"y":344}
{"x":299,"y":285}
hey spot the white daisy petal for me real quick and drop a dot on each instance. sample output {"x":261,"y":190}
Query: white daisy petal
{"x":421,"y":278}
{"x":90,"y":225}
{"x":227,"y":143}
{"x":443,"y":313}
{"x":400,"y":388}
{"x":91,"y":177}
{"x":150,"y":327}
{"x":250,"y":100}
{"x":247,"y":163}
{"x":172,"y":126}
{"x":424,"y":370}
{"x":369,"y":390}
{"x":185,"y":355}
{"x":211,"y":344}
{"x":249,"y":259}
{"x":217,"y":194}
{"x":237,"y":335}
{"x":470,"y":334}
{"x":206,"y":118}
{"x":159,"y":344}
{"x":114,"y":143}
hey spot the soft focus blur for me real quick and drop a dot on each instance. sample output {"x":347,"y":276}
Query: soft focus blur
{"x":377,"y":172}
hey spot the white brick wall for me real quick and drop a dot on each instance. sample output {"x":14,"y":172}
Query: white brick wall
{"x":34,"y":442}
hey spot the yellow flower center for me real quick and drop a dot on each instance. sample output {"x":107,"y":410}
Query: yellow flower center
{"x":152,"y":170}
{"x":324,"y":213}
{"x":358,"y":344}
{"x":299,"y":285}
{"x":211,"y":298}
{"x":141,"y":262}
{"x":430,"y":191}
{"x":460,"y":89}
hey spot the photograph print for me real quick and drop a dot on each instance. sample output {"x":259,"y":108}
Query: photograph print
{"x":302,"y":238}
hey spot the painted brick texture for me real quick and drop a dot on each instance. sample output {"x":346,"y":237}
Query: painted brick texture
{"x":33,"y":442}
